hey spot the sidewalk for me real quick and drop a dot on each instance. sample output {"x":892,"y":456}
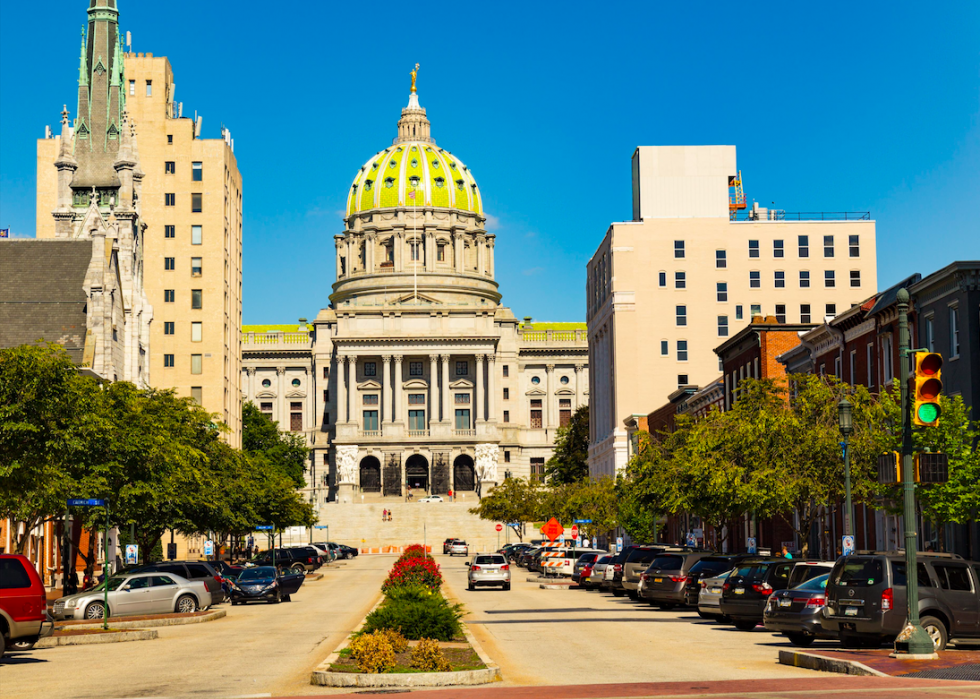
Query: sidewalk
{"x":951,"y":665}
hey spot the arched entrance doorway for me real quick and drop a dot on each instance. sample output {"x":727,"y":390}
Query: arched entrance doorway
{"x":464,"y":475}
{"x":417,"y":472}
{"x":370,"y":475}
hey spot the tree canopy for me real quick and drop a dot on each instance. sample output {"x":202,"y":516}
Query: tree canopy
{"x":570,"y":461}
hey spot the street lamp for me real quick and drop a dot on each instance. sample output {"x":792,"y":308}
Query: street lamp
{"x":846,"y":424}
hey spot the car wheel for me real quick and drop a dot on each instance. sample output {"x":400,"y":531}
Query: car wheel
{"x":96,"y":610}
{"x":22,"y":645}
{"x":297,"y":568}
{"x":618,"y":593}
{"x":287,"y":598}
{"x":705,"y":615}
{"x":3,"y":645}
{"x":470,"y":587}
{"x":743,"y":625}
{"x":186,"y":604}
{"x":634,"y":596}
{"x":506,"y":586}
{"x":803,"y":640}
{"x":278,"y":598}
{"x":348,"y":555}
{"x":936,"y":630}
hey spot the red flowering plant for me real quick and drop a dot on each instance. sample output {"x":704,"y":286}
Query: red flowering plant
{"x":415,"y":569}
{"x":414,"y":551}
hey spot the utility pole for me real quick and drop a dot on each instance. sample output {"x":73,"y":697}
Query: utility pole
{"x":913,"y":641}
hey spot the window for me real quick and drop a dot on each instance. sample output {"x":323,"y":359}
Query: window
{"x":681,"y":380}
{"x":780,"y":280}
{"x":169,"y":263}
{"x":829,"y":279}
{"x":149,"y":88}
{"x":462,"y":368}
{"x":954,"y":331}
{"x":195,"y":266}
{"x":721,"y":259}
{"x":738,"y":313}
{"x":326,"y":372}
{"x":415,"y":368}
{"x":416,"y":420}
{"x":804,"y":245}
{"x":953,"y":576}
{"x":132,"y":87}
{"x":678,"y":249}
{"x":777,"y":248}
{"x":722,"y":326}
{"x":929,"y":331}
{"x":265,"y":384}
{"x":854,"y":245}
{"x":462,"y":419}
{"x":753,"y":248}
{"x":168,"y":328}
{"x":887,"y":369}
{"x":564,"y":412}
{"x":197,"y":172}
{"x":197,"y":331}
{"x":416,"y":399}
{"x":169,"y":167}
{"x":536,"y":414}
{"x":681,"y":315}
{"x":168,"y":295}
{"x":197,"y":394}
{"x":415,"y":250}
{"x":169,"y":199}
{"x":462,"y":398}
{"x":326,"y":395}
{"x":506,"y":393}
{"x":170,"y":139}
{"x":296,"y":417}
{"x":663,"y":279}
{"x":370,"y":368}
{"x":853,"y":367}
{"x":197,"y":203}
{"x":537,"y":469}
{"x":721,"y":289}
{"x":869,"y":355}
{"x":755,"y":310}
{"x":855,"y":278}
{"x":664,"y":348}
{"x":441,"y":253}
{"x":197,"y":298}
{"x":169,"y":231}
{"x":168,"y":361}
{"x":506,"y":457}
{"x":506,"y":369}
{"x":828,"y":246}
{"x":831,"y":309}
{"x":680,"y":280}
{"x":370,"y":399}
{"x":682,"y":350}
{"x":196,"y":363}
{"x":196,"y":235}
{"x":781,"y":313}
{"x":370,"y":420}
{"x":805,"y":313}
{"x":507,"y":419}
{"x":754,"y":280}
{"x":535,"y":380}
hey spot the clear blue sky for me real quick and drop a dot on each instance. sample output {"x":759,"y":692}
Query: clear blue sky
{"x":833,"y":106}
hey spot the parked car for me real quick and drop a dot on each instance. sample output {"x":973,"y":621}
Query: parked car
{"x":488,"y":569}
{"x":866,"y":598}
{"x":266,"y":584}
{"x":593,"y":581}
{"x":332,"y":549}
{"x":584,"y":566}
{"x":154,"y":592}
{"x":349,"y":551}
{"x":320,"y":555}
{"x":613,"y":580}
{"x":708,"y":567}
{"x":638,"y":560}
{"x":514,"y":553}
{"x":23,"y":604}
{"x":459,"y":548}
{"x":746,"y":592}
{"x":796,"y":612}
{"x":189,"y":570}
{"x":220,"y":567}
{"x":524,"y":559}
{"x":431,"y":498}
{"x":709,"y":597}
{"x":446,"y":544}
{"x":807,"y":570}
{"x":297,"y":560}
{"x":664,"y":582}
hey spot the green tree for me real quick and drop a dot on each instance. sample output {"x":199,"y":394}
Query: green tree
{"x":285,"y":450}
{"x":516,"y":502}
{"x":570,"y":461}
{"x":594,"y":500}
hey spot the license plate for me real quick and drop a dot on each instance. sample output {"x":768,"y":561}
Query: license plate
{"x":850,"y":611}
{"x":739,"y":590}
{"x":785,"y":602}
{"x":658,"y":580}
{"x":714,"y":592}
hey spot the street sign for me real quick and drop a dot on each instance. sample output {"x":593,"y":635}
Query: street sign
{"x":574,"y":531}
{"x":848,"y":545}
{"x":499,"y":527}
{"x":321,"y":526}
{"x":208,"y":548}
{"x":553,"y":529}
{"x":85,"y":502}
{"x":264,"y":526}
{"x":561,"y":540}
{"x":692,"y":540}
{"x":132,"y":554}
{"x":751,"y":544}
{"x":583,"y":521}
{"x":619,"y":544}
{"x":171,"y":552}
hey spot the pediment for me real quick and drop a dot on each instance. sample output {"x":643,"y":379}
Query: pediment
{"x":295,"y":393}
{"x":406,"y":298}
{"x":369,"y":385}
{"x":535,"y":392}
{"x":565,"y":392}
{"x":461,"y":383}
{"x":265,"y":393}
{"x":415,"y":383}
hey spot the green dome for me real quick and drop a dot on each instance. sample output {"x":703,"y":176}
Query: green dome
{"x":434,"y":176}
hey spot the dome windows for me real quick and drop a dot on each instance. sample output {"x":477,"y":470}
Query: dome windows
{"x":375,"y":166}
{"x":389,"y":182}
{"x":368,"y":184}
{"x":452,"y":164}
{"x":440,"y":182}
{"x":392,"y":163}
{"x":266,"y":383}
{"x":415,"y":163}
{"x":296,"y":383}
{"x":459,"y":185}
{"x":564,"y":380}
{"x":414,"y":180}
{"x":435,"y":163}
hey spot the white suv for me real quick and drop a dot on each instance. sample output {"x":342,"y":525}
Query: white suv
{"x":488,"y":569}
{"x":459,"y":548}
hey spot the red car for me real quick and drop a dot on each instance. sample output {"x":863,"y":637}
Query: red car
{"x":23,"y":604}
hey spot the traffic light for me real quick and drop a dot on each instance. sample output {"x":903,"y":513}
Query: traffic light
{"x":928,"y":386}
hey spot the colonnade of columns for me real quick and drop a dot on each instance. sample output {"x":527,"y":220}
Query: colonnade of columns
{"x":348,"y":255}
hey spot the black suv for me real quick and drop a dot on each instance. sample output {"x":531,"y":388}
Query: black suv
{"x":746,"y":592}
{"x":867,"y":603}
{"x":708,"y":567}
{"x":192,"y":570}
{"x":299,"y":560}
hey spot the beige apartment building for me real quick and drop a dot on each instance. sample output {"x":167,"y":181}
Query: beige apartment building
{"x":689,"y":271}
{"x":191,"y":203}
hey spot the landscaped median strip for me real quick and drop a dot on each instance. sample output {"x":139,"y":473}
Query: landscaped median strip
{"x":378,"y":654}
{"x":82,"y":637}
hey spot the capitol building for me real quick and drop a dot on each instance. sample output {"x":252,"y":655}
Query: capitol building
{"x":415,"y":376}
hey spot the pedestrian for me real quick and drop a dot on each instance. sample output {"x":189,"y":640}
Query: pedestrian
{"x":389,"y":515}
{"x":786,"y":553}
{"x":450,"y":495}
{"x":384,"y":515}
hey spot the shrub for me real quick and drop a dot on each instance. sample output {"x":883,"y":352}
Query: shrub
{"x":399,"y":643}
{"x":373,"y":652}
{"x":428,"y":657}
{"x":414,"y":551}
{"x":413,"y":571}
{"x":416,"y":613}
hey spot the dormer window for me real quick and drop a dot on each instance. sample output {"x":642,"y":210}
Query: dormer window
{"x":414,"y":181}
{"x":459,"y":185}
{"x":389,"y":182}
{"x":393,"y":163}
{"x":368,"y":184}
{"x":435,"y":164}
{"x":440,"y":182}
{"x":415,"y":163}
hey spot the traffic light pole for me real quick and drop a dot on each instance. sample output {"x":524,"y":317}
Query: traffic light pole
{"x":913,"y":641}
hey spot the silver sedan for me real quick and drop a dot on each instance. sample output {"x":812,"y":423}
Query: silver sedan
{"x":139,"y":593}
{"x":709,"y":597}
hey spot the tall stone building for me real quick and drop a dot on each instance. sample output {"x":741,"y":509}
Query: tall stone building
{"x":190,"y":193}
{"x":416,"y":375}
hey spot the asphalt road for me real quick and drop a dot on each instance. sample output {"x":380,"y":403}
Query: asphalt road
{"x":257,"y":649}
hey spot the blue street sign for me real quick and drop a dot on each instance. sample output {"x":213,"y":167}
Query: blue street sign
{"x":583,"y":521}
{"x":85,"y":502}
{"x":263,"y":526}
{"x":847,"y":544}
{"x":321,"y":526}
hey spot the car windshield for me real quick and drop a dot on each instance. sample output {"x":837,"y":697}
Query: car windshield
{"x":667,"y":563}
{"x":859,"y":572}
{"x":642,"y":556}
{"x":114,"y":584}
{"x":260,"y":573}
{"x":752,"y":571}
{"x":708,"y":567}
{"x":587,"y":558}
{"x":817,"y":584}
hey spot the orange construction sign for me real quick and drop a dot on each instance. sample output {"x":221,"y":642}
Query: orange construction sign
{"x":552,"y":529}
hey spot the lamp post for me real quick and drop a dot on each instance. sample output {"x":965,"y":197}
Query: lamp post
{"x":846,"y":423}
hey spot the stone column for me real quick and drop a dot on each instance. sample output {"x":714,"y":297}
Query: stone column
{"x":478,"y":389}
{"x":341,"y":374}
{"x":369,"y":244}
{"x":430,"y":258}
{"x":432,"y":412}
{"x":549,"y":397}
{"x":387,"y":408}
{"x":250,"y":370}
{"x":397,"y":404}
{"x":490,"y":268}
{"x":446,"y":416}
{"x":491,"y":387}
{"x":458,"y":247}
{"x":578,"y":387}
{"x":480,"y":256}
{"x":350,"y":257}
{"x":338,"y":242}
{"x":281,"y":397}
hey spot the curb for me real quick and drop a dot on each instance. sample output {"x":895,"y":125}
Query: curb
{"x":811,"y":661}
{"x":91,"y":639}
{"x":150,"y":623}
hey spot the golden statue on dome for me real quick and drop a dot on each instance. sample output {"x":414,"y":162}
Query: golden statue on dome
{"x":414,"y":73}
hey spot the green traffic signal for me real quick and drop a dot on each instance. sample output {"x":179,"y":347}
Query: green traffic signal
{"x":928,"y":412}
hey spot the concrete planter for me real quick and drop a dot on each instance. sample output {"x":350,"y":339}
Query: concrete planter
{"x":149,"y":623}
{"x":91,"y":639}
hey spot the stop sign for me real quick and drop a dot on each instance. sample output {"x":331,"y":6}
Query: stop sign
{"x":500,"y":527}
{"x":574,"y":531}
